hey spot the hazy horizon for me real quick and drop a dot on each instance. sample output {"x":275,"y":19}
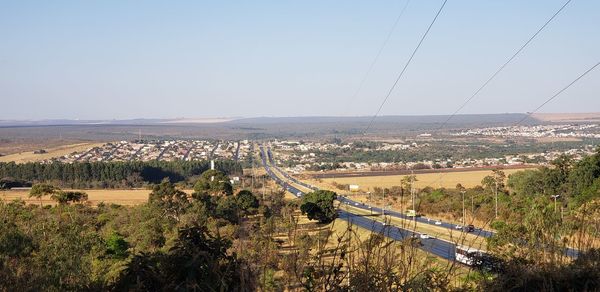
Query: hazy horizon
{"x":590,"y":116}
{"x":105,"y":60}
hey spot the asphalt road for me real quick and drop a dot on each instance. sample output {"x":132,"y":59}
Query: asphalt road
{"x":570,"y":252}
{"x":434,"y":246}
{"x":478,"y":231}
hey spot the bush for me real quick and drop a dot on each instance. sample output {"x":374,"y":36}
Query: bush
{"x":246,"y":200}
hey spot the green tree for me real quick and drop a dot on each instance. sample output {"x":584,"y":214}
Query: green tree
{"x":40,"y":190}
{"x":228,"y":209}
{"x":172,"y":201}
{"x":13,"y":242}
{"x":116,"y":246}
{"x":213,"y":182}
{"x":585,"y":173}
{"x":495,"y":181}
{"x":197,"y":262}
{"x":318,"y":205}
{"x":540,"y":227}
{"x":246,"y":200}
{"x":523,"y":183}
{"x":66,"y":197}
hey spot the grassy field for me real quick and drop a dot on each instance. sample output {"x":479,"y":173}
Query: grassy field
{"x":122,"y":197}
{"x":58,"y":151}
{"x":447,"y":180}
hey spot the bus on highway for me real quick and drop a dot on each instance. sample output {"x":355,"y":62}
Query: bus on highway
{"x":468,"y":255}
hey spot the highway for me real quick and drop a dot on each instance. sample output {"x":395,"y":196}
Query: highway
{"x":441,"y":248}
{"x":421,"y":219}
{"x":438,"y":247}
{"x":570,"y":252}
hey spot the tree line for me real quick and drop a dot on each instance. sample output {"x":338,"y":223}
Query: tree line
{"x":108,"y":174}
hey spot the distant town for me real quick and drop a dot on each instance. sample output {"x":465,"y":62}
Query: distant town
{"x":162,"y":150}
{"x":539,"y":131}
{"x":300,"y":156}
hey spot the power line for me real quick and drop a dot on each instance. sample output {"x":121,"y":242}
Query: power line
{"x":505,"y":64}
{"x":442,"y":174}
{"x":383,"y":45}
{"x":405,"y":66}
{"x":502,"y":68}
{"x":558,"y":93}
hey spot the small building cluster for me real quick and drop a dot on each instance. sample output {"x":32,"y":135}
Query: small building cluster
{"x":539,"y":131}
{"x":162,"y":150}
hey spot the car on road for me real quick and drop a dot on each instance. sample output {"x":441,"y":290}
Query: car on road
{"x":470,"y":228}
{"x":438,"y":222}
{"x":299,"y":193}
{"x":458,"y":227}
{"x":356,"y":204}
{"x":424,"y":236}
{"x":414,"y":240}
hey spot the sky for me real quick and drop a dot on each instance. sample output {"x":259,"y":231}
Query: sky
{"x":197,"y":59}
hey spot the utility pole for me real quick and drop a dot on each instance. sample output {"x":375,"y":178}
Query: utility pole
{"x":383,"y":206}
{"x":252,"y":178}
{"x":496,"y":191}
{"x":263,"y":189}
{"x":401,"y":197}
{"x":370,"y":206}
{"x":561,"y":213}
{"x":472,"y":208}
{"x":555,"y":197}
{"x":349,"y":231}
{"x":463,"y":210}
{"x":412,"y":193}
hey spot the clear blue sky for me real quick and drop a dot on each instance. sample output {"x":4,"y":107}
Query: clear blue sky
{"x":166,"y":59}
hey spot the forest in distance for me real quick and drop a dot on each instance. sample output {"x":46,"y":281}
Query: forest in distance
{"x":107,"y":174}
{"x":248,"y":128}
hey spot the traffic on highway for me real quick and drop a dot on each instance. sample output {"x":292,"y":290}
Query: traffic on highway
{"x":438,"y":247}
{"x":420,"y":219}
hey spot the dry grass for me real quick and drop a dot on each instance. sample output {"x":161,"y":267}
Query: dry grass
{"x":447,"y":180}
{"x":451,"y":235}
{"x":257,"y":171}
{"x":401,"y":205}
{"x":420,"y":259}
{"x":24,"y":157}
{"x":129,"y":197}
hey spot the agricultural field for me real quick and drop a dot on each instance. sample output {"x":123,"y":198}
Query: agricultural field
{"x":447,"y":180}
{"x":29,"y":156}
{"x":129,"y":197}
